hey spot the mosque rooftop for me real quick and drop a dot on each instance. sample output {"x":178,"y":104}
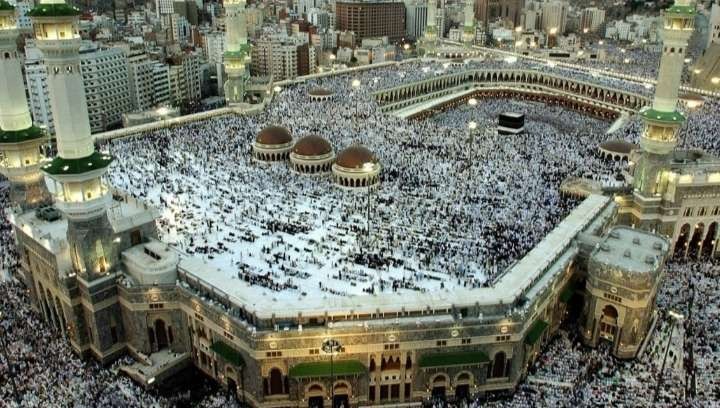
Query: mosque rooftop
{"x":631,"y":250}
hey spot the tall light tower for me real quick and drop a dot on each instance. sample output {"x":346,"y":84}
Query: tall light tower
{"x":469,"y":26}
{"x":77,"y":174}
{"x":663,"y":121}
{"x":237,"y":55}
{"x":20,"y":141}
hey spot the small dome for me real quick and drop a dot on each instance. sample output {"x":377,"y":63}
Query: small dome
{"x":354,"y":157}
{"x":274,"y":135}
{"x":617,"y":146}
{"x":312,"y":146}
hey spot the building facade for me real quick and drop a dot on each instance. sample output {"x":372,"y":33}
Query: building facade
{"x":371,"y":19}
{"x":105,"y":77}
{"x":100,"y":275}
{"x":675,"y":191}
{"x":487,"y":11}
{"x":415,"y":18}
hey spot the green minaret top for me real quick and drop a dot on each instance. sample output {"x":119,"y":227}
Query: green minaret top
{"x":53,"y":8}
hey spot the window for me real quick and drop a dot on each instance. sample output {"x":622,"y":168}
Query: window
{"x":466,"y":341}
{"x":441,"y":343}
{"x":273,"y":354}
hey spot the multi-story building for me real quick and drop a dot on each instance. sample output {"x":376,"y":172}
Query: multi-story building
{"x":592,"y":19}
{"x":215,"y":47}
{"x":320,"y":18}
{"x":415,"y":18}
{"x":283,"y":57}
{"x":375,"y":18}
{"x":554,"y":16}
{"x":105,"y":78}
{"x":185,"y":79}
{"x":39,"y":99}
{"x":530,"y":20}
{"x":161,"y":83}
{"x":136,"y":19}
{"x":164,"y":7}
{"x":140,"y":76}
{"x":714,"y":25}
{"x":254,"y":18}
{"x":487,"y":11}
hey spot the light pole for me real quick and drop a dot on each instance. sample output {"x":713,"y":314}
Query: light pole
{"x":472,"y":126}
{"x":331,"y":346}
{"x":368,"y":167}
{"x":355,"y":84}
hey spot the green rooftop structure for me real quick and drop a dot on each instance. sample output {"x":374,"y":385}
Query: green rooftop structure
{"x":326,"y":369}
{"x":53,"y":10}
{"x":451,"y":359}
{"x":228,"y":353}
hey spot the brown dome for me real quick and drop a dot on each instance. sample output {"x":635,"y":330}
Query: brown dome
{"x":274,"y":135}
{"x":312,"y":146}
{"x":354,"y":157}
{"x":318,"y":91}
{"x":618,"y":146}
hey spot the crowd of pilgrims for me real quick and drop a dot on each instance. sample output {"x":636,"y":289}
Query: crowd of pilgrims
{"x":568,"y":374}
{"x":450,"y":210}
{"x":506,"y":210}
{"x":38,"y":368}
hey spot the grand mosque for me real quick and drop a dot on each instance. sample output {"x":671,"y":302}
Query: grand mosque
{"x":99,"y":272}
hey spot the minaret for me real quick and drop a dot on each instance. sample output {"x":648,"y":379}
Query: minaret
{"x":20,"y":141}
{"x":237,"y":55}
{"x":469,"y":27}
{"x":663,"y":121}
{"x":77,"y":174}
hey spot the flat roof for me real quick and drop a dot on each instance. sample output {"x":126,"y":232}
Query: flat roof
{"x":550,"y":255}
{"x":631,"y":250}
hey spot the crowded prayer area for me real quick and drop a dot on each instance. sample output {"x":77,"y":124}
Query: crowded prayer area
{"x":38,"y":369}
{"x":451,"y":209}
